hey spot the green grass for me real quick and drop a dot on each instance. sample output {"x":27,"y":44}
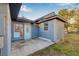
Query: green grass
{"x":69,"y":47}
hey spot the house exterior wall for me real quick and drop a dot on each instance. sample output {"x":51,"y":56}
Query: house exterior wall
{"x":55,"y":31}
{"x":58,"y":30}
{"x":5,"y":27}
{"x":34,"y":31}
{"x":49,"y":34}
{"x":26,"y":35}
{"x":16,"y":35}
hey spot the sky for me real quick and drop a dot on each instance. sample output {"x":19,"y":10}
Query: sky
{"x":34,"y":11}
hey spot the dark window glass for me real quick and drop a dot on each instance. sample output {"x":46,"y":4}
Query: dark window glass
{"x":46,"y":26}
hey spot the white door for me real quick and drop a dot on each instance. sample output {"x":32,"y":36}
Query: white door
{"x":27,"y":31}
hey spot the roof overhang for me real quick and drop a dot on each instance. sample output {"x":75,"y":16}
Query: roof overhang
{"x":14,"y":9}
{"x":49,"y":17}
{"x":23,"y":20}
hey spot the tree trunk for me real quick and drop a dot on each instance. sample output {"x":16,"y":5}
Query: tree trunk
{"x":67,"y":30}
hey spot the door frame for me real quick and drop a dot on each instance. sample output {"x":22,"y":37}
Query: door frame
{"x":25,"y":24}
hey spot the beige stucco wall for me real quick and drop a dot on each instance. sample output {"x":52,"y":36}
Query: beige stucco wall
{"x":58,"y":30}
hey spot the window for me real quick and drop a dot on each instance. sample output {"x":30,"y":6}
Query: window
{"x":18,"y":28}
{"x":46,"y":26}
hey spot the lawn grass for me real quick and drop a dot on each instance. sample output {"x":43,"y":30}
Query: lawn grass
{"x":69,"y":47}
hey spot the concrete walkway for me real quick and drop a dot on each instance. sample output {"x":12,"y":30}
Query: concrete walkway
{"x":23,"y":48}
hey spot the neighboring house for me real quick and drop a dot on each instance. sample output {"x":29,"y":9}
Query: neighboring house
{"x":49,"y":27}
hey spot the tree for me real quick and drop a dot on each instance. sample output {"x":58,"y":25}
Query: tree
{"x":76,"y":23}
{"x":64,"y":13}
{"x":76,"y":18}
{"x":66,"y":16}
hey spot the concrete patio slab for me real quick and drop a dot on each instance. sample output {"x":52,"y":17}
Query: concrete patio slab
{"x":24,"y":48}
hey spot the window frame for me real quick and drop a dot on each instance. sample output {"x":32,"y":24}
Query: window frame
{"x":45,"y":26}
